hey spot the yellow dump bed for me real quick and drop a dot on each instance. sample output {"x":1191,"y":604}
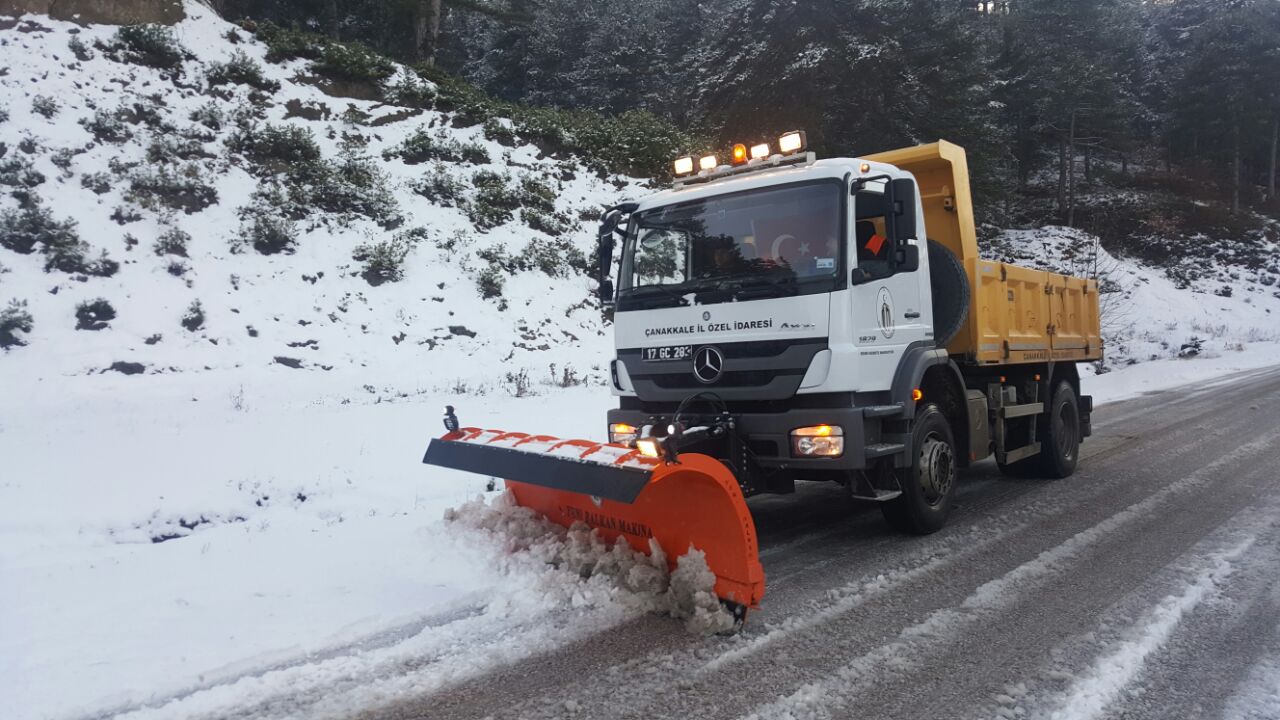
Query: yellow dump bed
{"x":1016,"y":314}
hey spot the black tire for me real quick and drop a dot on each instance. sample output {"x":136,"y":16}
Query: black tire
{"x":1060,"y":434}
{"x":929,"y":485}
{"x":950,"y":288}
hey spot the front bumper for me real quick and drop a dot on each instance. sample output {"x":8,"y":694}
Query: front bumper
{"x":768,"y":435}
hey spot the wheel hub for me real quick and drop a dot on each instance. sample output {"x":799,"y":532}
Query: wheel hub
{"x":937,"y":469}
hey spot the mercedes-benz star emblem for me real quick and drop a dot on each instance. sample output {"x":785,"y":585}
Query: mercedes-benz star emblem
{"x":707,"y":364}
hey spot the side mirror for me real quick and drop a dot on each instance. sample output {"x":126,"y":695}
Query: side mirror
{"x":900,"y":224}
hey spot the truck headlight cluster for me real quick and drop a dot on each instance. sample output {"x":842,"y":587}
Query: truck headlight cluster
{"x":817,"y":441}
{"x":622,"y":433}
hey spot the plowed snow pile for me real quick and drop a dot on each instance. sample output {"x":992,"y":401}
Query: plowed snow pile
{"x":582,"y":570}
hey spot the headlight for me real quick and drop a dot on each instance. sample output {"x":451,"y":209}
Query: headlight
{"x":649,"y":447}
{"x":622,"y":433}
{"x":817,"y":441}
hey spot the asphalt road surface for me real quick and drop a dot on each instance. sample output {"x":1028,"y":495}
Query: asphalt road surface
{"x":1145,"y":586}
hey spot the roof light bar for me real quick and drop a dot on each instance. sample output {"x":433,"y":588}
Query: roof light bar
{"x":792,"y":142}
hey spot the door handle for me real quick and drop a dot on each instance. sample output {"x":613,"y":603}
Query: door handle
{"x":911,"y":315}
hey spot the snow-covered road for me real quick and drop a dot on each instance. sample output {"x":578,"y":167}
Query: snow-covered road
{"x":1146,"y":586}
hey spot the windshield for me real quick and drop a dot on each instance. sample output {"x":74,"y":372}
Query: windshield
{"x":770,"y":242}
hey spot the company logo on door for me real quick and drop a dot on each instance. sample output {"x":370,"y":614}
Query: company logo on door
{"x":709,"y":327}
{"x":884,"y":314}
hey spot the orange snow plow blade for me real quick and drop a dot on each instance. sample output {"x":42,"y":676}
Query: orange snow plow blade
{"x":695,"y":502}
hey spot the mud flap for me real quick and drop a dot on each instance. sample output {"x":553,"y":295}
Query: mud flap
{"x":695,"y":502}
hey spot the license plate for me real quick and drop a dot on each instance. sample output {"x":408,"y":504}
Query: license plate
{"x":670,"y":352}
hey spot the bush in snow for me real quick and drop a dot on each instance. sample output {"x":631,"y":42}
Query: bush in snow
{"x":494,"y":202}
{"x":79,"y":49}
{"x":4,"y":115}
{"x":150,"y":45}
{"x":262,"y":227}
{"x":384,"y":260}
{"x":44,"y":105}
{"x":241,"y":69}
{"x":193,"y":318}
{"x":423,"y":146}
{"x":274,"y":148}
{"x":353,"y":62}
{"x":162,"y":188}
{"x":23,"y":229}
{"x":173,"y":150}
{"x":94,"y":314}
{"x":353,"y":185}
{"x":209,"y":115}
{"x":553,"y":224}
{"x":440,"y":187}
{"x":173,"y":242}
{"x":16,"y":171}
{"x":499,"y":132}
{"x":13,"y":320}
{"x":490,"y":281}
{"x":408,"y":90}
{"x":107,"y":126}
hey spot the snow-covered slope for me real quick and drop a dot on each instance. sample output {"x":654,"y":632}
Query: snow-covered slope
{"x":157,"y":143}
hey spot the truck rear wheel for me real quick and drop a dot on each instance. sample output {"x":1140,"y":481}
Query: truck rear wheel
{"x":1060,"y":438}
{"x":929,"y":484}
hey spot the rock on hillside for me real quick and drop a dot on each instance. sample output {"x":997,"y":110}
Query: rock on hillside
{"x":174,"y":201}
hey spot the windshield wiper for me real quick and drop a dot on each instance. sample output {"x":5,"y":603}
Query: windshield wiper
{"x":652,"y":292}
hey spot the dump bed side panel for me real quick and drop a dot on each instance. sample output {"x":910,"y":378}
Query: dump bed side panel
{"x":1016,"y":314}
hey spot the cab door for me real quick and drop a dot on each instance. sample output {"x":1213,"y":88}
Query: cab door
{"x":889,"y":306}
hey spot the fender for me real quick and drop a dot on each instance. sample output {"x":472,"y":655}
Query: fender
{"x":918,"y":358}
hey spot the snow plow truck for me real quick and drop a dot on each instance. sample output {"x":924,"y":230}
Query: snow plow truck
{"x":782,"y":318}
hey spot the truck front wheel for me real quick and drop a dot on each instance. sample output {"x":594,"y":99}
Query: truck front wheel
{"x":929,"y":484}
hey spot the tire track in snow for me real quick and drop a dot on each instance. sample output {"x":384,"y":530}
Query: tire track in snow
{"x":819,"y":699}
{"x":1111,"y":674}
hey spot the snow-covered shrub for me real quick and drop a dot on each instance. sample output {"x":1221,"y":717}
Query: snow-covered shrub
{"x":499,"y":132}
{"x":409,"y":90}
{"x":209,"y":115}
{"x":384,"y":260}
{"x":107,"y":126}
{"x":352,"y":62}
{"x":1191,"y":348}
{"x":22,"y":229}
{"x":44,"y":105}
{"x":16,"y":171}
{"x":490,"y":282}
{"x":494,"y":201}
{"x":550,"y":223}
{"x":78,"y":48}
{"x":241,"y":69}
{"x":181,"y":189}
{"x":172,"y":149}
{"x":14,"y":319}
{"x":176,"y":268}
{"x":268,"y":232}
{"x":150,"y":45}
{"x":173,"y":241}
{"x":94,"y":314}
{"x":353,"y":185}
{"x":193,"y":318}
{"x":424,"y":145}
{"x":4,"y":115}
{"x":62,"y":158}
{"x":274,"y":149}
{"x":441,"y":187}
{"x":518,"y":384}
